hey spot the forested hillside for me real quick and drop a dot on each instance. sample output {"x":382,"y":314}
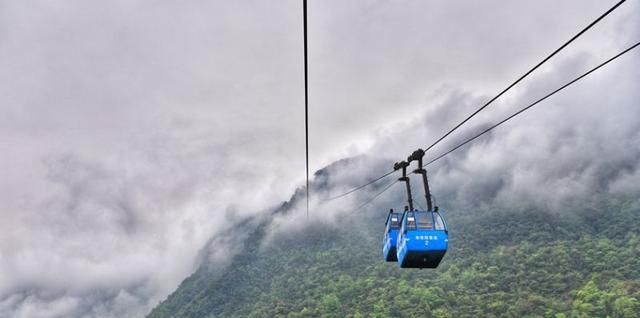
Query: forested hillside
{"x":501,"y":263}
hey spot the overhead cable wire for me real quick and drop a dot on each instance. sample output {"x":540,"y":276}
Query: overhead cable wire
{"x":377,"y":195}
{"x":361,"y":186}
{"x":534,"y":103}
{"x":491,"y":100}
{"x":511,"y":116}
{"x":306,"y":99}
{"x":526,"y":74}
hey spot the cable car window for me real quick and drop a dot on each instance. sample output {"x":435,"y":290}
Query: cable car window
{"x":439,"y":222}
{"x":425,"y":222}
{"x":395,"y":222}
{"x":411,"y":222}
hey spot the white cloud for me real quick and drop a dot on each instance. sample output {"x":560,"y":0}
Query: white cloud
{"x":132,"y":132}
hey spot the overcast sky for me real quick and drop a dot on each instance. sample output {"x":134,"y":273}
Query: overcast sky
{"x":131,"y":131}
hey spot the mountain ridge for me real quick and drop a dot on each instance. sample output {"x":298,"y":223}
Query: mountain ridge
{"x":503,"y":262}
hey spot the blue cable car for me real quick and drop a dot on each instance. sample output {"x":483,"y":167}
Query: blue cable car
{"x":423,"y":239}
{"x":392,"y":227}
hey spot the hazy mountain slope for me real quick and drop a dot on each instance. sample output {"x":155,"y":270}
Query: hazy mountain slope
{"x":501,"y":263}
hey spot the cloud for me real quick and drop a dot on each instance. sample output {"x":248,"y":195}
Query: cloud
{"x":576,"y":144}
{"x":136,"y":134}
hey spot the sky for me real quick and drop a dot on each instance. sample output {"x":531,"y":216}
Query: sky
{"x":132,"y":132}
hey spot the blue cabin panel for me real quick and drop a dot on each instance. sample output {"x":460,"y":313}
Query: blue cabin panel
{"x":389,"y":247}
{"x":422,"y":240}
{"x":389,"y":243}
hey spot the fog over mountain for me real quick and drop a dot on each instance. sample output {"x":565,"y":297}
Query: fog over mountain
{"x":135,"y":133}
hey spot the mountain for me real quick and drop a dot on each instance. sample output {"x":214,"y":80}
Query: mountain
{"x":502,"y":262}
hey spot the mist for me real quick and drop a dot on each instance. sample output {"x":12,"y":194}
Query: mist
{"x":136,"y":133}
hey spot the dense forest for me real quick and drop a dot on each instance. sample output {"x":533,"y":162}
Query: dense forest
{"x":502,"y":262}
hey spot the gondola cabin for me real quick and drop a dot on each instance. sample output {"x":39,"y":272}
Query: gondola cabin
{"x":392,"y":227}
{"x":422,"y":240}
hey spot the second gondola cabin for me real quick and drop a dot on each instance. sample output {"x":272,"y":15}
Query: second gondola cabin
{"x":392,"y":228}
{"x":422,"y":240}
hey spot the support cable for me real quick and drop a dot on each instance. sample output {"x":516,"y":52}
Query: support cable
{"x":377,"y":195}
{"x":479,"y":109}
{"x":525,"y":74}
{"x":520,"y":111}
{"x":306,"y":100}
{"x":533,"y":104}
{"x":362,"y":186}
